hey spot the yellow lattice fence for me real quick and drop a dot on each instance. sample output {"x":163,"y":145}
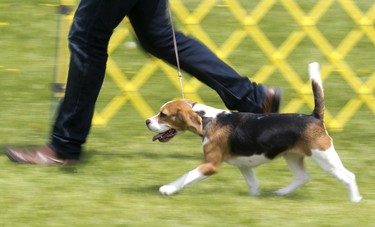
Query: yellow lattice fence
{"x":250,"y":22}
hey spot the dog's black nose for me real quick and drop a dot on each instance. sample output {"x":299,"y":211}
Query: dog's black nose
{"x":148,"y":121}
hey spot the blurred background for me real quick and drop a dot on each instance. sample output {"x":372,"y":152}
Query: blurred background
{"x":271,"y":42}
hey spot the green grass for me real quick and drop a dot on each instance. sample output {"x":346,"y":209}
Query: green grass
{"x":117,"y":182}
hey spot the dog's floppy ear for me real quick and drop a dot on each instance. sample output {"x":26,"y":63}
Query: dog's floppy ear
{"x":192,"y":120}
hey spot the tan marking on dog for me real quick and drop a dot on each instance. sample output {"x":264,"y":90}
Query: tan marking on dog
{"x":317,"y":137}
{"x":216,"y":149}
{"x":178,"y":114}
{"x":300,"y":148}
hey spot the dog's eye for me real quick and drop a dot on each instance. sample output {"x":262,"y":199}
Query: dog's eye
{"x":162,"y":115}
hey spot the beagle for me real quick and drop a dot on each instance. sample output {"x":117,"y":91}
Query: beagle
{"x":247,"y":140}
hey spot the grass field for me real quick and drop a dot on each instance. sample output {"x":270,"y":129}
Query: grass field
{"x":117,"y":182}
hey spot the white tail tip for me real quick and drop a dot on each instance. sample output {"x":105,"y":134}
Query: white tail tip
{"x":314,"y":72}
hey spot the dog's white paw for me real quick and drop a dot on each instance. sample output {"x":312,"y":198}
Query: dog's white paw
{"x":282,"y":192}
{"x":356,"y":199}
{"x":168,"y":190}
{"x":254,"y":192}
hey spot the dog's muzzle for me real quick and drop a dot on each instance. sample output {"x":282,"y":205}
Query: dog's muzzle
{"x":164,"y":133}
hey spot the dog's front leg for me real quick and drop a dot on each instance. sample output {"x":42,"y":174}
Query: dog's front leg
{"x":210,"y":166}
{"x":191,"y":177}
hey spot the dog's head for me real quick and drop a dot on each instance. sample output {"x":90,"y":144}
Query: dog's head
{"x":174,"y":117}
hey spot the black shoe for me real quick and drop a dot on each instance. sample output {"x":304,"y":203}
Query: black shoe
{"x":272,"y":99}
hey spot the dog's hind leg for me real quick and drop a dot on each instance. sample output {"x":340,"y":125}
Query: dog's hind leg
{"x":251,"y":180}
{"x":296,"y":165}
{"x":331,"y":163}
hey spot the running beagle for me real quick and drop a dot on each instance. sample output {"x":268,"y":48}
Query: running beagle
{"x":247,"y":140}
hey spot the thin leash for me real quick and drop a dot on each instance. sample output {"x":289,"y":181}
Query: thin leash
{"x":175,"y":48}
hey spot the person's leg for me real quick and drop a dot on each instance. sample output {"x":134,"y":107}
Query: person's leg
{"x":154,"y":31}
{"x":93,"y":24}
{"x":92,"y":27}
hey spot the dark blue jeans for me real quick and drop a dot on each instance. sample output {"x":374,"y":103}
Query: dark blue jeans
{"x":92,"y":27}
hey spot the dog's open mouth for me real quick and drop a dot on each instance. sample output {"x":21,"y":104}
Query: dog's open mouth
{"x":165,"y":136}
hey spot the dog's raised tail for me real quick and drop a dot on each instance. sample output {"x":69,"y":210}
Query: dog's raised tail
{"x":317,"y":88}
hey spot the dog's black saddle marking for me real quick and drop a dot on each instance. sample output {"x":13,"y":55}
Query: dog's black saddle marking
{"x":268,"y":134}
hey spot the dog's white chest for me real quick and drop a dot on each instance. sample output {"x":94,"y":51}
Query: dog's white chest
{"x":252,"y":161}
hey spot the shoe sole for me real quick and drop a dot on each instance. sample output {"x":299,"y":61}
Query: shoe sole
{"x":12,"y":157}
